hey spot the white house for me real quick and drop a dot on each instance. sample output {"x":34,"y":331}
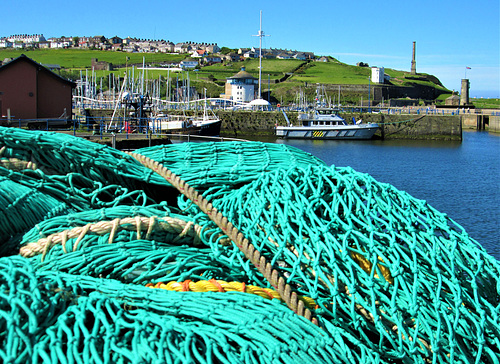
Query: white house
{"x":301,"y":56}
{"x":4,"y":43}
{"x":212,"y":48}
{"x":241,"y":86}
{"x":377,"y":75}
{"x":284,"y":55}
{"x":250,"y":54}
{"x":165,"y":47}
{"x":27,"y":38}
{"x":131,"y":48}
{"x":213,"y":59}
{"x":60,"y":42}
{"x":233,"y":57}
{"x":198,"y":53}
{"x":188,"y":64}
{"x":182,"y":48}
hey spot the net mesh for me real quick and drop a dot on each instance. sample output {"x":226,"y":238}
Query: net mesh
{"x":85,"y":228}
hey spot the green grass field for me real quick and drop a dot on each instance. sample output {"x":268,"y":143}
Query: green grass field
{"x":333,"y":73}
{"x":486,"y":103}
{"x":271,"y":68}
{"x":76,"y":61}
{"x":82,"y":58}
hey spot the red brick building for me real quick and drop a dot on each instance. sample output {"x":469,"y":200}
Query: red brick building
{"x":30,"y":91}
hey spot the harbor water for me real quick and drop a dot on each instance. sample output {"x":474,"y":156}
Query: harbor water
{"x":461,"y":179}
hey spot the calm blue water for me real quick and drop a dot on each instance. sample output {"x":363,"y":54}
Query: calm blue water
{"x":460,"y":179}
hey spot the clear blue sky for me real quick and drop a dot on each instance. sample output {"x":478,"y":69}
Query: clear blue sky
{"x":450,"y":35}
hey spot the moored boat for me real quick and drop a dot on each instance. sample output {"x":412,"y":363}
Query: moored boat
{"x":325,"y":123}
{"x":209,"y":124}
{"x":180,"y":124}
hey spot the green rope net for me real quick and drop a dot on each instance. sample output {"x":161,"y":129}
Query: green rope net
{"x":84,"y":228}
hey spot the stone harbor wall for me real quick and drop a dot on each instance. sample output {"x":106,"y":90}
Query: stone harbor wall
{"x":239,"y":123}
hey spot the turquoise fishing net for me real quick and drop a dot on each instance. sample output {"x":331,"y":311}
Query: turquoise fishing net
{"x":15,"y":200}
{"x":319,"y":220}
{"x":56,"y":317}
{"x":228,"y":163}
{"x":393,"y":279}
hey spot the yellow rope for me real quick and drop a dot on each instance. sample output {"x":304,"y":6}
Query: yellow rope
{"x":367,"y":266}
{"x":213,"y":285}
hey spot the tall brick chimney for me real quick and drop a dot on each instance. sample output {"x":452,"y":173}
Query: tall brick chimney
{"x":413,"y":61}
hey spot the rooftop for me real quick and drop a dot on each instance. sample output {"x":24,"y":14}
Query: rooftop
{"x":243,"y":74}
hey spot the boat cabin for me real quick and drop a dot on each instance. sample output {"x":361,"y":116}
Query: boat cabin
{"x":321,"y":117}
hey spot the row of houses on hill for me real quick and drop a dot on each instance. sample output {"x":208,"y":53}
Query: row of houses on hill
{"x":194,"y":49}
{"x":275,"y":53}
{"x":21,"y":41}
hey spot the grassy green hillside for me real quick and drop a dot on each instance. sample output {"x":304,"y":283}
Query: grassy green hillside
{"x":271,"y":68}
{"x":333,"y":73}
{"x":82,"y":58}
{"x":486,"y":103}
{"x":286,"y":77}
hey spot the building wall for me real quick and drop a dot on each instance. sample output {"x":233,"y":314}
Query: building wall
{"x":54,"y":97}
{"x":378,"y":74}
{"x":227,"y":91}
{"x":18,"y":88}
{"x":243,"y":92}
{"x":32,"y":92}
{"x":101,"y":65}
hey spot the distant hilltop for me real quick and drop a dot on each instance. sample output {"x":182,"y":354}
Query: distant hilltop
{"x":287,"y":80}
{"x":135,"y":45}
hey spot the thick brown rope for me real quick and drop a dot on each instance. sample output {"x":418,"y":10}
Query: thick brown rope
{"x":272,"y":275}
{"x":137,"y":223}
{"x":17,"y":164}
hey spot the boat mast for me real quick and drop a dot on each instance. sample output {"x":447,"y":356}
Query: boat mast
{"x":260,"y":35}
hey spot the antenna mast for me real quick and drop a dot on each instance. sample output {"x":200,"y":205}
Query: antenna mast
{"x":260,"y":35}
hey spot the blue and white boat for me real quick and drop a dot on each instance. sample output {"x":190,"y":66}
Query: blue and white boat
{"x":325,"y":123}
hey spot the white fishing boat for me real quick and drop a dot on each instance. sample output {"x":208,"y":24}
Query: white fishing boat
{"x":161,"y":123}
{"x":206,"y":125}
{"x":325,"y":123}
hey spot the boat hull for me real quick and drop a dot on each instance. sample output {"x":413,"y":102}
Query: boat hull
{"x":205,"y":128}
{"x":210,"y":129}
{"x":350,"y":132}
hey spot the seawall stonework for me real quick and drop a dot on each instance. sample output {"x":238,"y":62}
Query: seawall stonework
{"x":237,"y":123}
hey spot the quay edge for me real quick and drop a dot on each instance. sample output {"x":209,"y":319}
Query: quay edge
{"x":398,"y":126}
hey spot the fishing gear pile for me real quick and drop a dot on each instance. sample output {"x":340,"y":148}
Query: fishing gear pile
{"x":231,"y":252}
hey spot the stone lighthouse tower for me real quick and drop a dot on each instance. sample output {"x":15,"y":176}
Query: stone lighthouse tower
{"x":464,"y":94}
{"x":413,"y":61}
